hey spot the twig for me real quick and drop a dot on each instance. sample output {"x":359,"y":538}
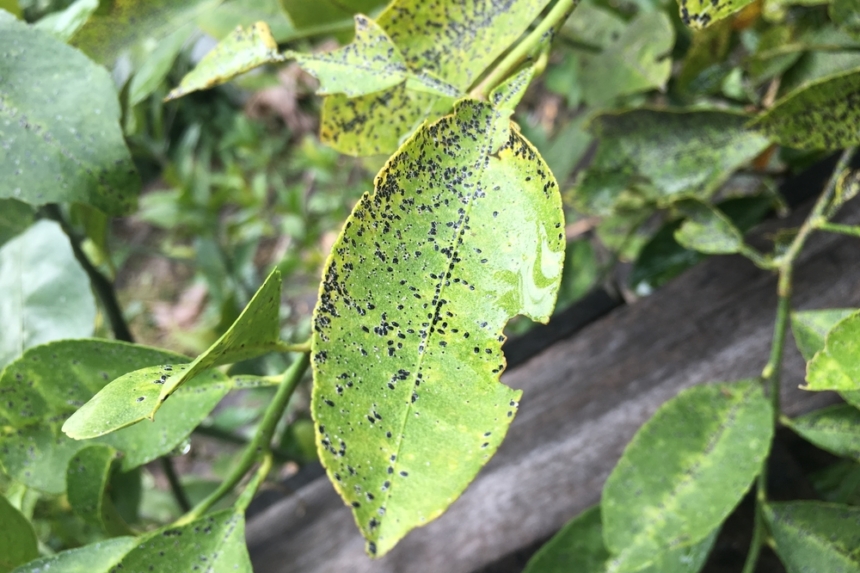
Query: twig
{"x":175,"y":485}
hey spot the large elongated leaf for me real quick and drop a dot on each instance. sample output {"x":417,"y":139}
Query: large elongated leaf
{"x":422,"y":31}
{"x":138,"y":395}
{"x":578,"y":547}
{"x":59,"y":149}
{"x":664,"y":154}
{"x":99,"y":557}
{"x":463,"y":231}
{"x":835,"y":429}
{"x":815,"y":536}
{"x":825,"y":114}
{"x":43,"y":387}
{"x":87,"y":480}
{"x":44,"y":293}
{"x":17,"y":538}
{"x":685,"y":470}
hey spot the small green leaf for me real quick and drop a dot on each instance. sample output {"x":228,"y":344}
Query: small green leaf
{"x":157,"y":64}
{"x":507,"y":95}
{"x":707,"y":230}
{"x":578,"y":548}
{"x":49,"y":382}
{"x":99,"y":557}
{"x":87,"y":480}
{"x":837,"y":365}
{"x":463,"y":231}
{"x":816,"y":536}
{"x":121,"y":24}
{"x":371,"y":63}
{"x":810,"y":327}
{"x":664,"y":154}
{"x":44,"y":293}
{"x":18,"y":542}
{"x":633,"y":61}
{"x":825,"y":114}
{"x":835,"y":429}
{"x":63,"y":24}
{"x":60,"y":154}
{"x":138,"y":395}
{"x":215,"y":541}
{"x":242,"y":50}
{"x":15,"y":217}
{"x":685,"y":470}
{"x":699,"y":14}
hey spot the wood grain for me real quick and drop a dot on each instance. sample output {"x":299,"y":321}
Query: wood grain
{"x":583,"y":399}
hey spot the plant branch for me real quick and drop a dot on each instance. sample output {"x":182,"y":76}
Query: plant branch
{"x":303,"y":347}
{"x":175,"y":485}
{"x":260,"y":444}
{"x":756,"y":543}
{"x":850,"y":230}
{"x":554,"y":19}
{"x":251,"y":489}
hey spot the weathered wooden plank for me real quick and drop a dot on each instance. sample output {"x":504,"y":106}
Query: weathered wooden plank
{"x":583,"y":399}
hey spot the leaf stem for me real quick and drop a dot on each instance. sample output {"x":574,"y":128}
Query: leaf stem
{"x":772,"y":371}
{"x":303,"y":347}
{"x":260,"y":444}
{"x":851,"y":230}
{"x":554,"y":19}
{"x":252,"y":487}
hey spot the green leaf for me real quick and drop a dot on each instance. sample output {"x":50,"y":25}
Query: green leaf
{"x":44,"y":293}
{"x":825,"y":114}
{"x":463,"y":231}
{"x":685,"y":470}
{"x":124,"y":23}
{"x":138,"y":395}
{"x":12,"y":7}
{"x":835,"y":429}
{"x":60,"y":154}
{"x":376,"y":123}
{"x":242,"y":50}
{"x":371,"y":63}
{"x":221,"y":21}
{"x":49,"y":382}
{"x":578,"y":547}
{"x":216,"y":541}
{"x":810,"y":328}
{"x":664,"y":154}
{"x":99,"y":557}
{"x":157,"y":65}
{"x":846,"y":13}
{"x":699,"y":14}
{"x":707,"y":230}
{"x":509,"y":93}
{"x":306,"y":14}
{"x":87,"y":480}
{"x":634,"y":61}
{"x":815,"y":536}
{"x":63,"y":24}
{"x":18,"y":542}
{"x":837,"y":365}
{"x":15,"y":217}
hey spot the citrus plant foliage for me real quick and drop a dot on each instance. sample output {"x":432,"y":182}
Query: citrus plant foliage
{"x":462,"y":231}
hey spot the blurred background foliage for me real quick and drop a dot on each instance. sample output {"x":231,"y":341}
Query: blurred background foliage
{"x":236,"y":180}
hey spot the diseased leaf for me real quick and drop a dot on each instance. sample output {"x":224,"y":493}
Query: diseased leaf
{"x":17,"y":539}
{"x":138,"y":395}
{"x":507,"y":95}
{"x":44,"y":293}
{"x":664,"y":154}
{"x":823,"y":115}
{"x":242,"y":50}
{"x":124,"y":23}
{"x":376,"y":123}
{"x":707,"y":230}
{"x":55,"y":153}
{"x":49,"y":382}
{"x":463,"y":231}
{"x":816,"y":536}
{"x":87,"y":480}
{"x":633,"y":61}
{"x":837,"y":365}
{"x":99,"y":557}
{"x":371,"y":63}
{"x":685,"y":470}
{"x":216,"y":541}
{"x":578,"y":547}
{"x":835,"y":429}
{"x":699,"y":14}
{"x":63,"y":24}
